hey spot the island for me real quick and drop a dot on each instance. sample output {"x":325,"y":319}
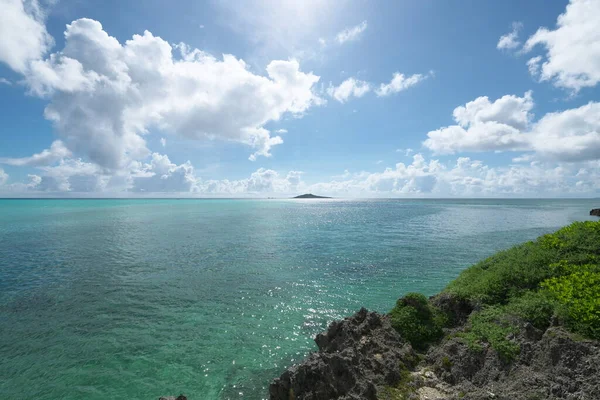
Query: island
{"x":311,"y":196}
{"x":596,"y":212}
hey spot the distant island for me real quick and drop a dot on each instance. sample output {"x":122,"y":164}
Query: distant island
{"x":311,"y":196}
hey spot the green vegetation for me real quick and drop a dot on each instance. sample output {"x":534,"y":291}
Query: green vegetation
{"x":556,"y":277}
{"x":578,"y":296}
{"x":417,"y":321}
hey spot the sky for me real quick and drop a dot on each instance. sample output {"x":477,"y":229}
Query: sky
{"x":257,"y":98}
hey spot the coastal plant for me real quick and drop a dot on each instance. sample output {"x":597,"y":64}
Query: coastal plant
{"x":578,"y":296}
{"x":494,"y":326}
{"x":417,"y":320}
{"x":536,"y":307}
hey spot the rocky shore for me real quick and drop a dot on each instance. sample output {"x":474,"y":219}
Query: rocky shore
{"x":523,"y":324}
{"x":363,"y":357}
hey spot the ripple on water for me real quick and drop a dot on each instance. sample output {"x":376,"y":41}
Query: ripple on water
{"x":138,"y":298}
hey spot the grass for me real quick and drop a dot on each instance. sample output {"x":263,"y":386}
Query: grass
{"x":555,"y":277}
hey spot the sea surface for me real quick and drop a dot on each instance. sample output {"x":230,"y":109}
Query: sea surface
{"x":134,"y":299}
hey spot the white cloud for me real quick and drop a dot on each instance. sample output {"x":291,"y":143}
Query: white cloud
{"x":399,"y":83}
{"x":71,"y":175}
{"x":506,"y":124}
{"x":23,"y":35}
{"x":159,"y":176}
{"x":163,"y":142}
{"x":407,"y":152}
{"x":281,"y":131}
{"x":3,"y":177}
{"x":533,"y":65}
{"x":571,"y":135}
{"x":262,"y":181}
{"x":485,"y":126}
{"x":421,"y":177}
{"x":106,"y":95}
{"x":351,"y":87}
{"x":350,"y":34}
{"x":466,"y":177}
{"x":510,"y":41}
{"x":162,"y":176}
{"x":56,"y":152}
{"x":572,"y":58}
{"x":5,"y":81}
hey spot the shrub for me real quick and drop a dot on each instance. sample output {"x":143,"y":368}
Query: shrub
{"x":417,"y":320}
{"x":492,"y":325}
{"x":578,"y":294}
{"x":535,"y":307}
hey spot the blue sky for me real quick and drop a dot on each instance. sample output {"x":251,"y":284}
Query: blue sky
{"x":257,"y":98}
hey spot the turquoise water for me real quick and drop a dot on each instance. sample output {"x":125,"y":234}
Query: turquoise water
{"x":106,"y":299}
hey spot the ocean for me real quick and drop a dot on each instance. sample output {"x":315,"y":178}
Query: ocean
{"x":110,"y":299}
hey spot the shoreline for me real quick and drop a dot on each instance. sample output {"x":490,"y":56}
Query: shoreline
{"x":505,"y":328}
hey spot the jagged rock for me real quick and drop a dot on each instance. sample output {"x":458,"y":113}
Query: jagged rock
{"x":180,"y":397}
{"x":356,"y":357}
{"x":551,"y":365}
{"x":596,"y":212}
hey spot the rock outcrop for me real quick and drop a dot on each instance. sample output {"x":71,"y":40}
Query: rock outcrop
{"x":551,"y":365}
{"x":362,"y":357}
{"x":357,"y":356}
{"x":596,"y":212}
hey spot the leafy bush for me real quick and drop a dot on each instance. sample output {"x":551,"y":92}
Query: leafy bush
{"x":579,"y":297}
{"x":417,"y":320}
{"x":535,"y":307}
{"x":492,"y":325}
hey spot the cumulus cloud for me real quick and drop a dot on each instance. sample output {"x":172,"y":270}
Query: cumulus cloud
{"x":466,"y":177}
{"x":350,"y":34}
{"x":351,"y":87}
{"x":510,"y":41}
{"x":56,"y":152}
{"x":71,"y":175}
{"x":5,"y":81}
{"x":421,"y":177}
{"x":506,"y":124}
{"x":261,"y":181}
{"x":570,"y":135}
{"x":23,"y":35}
{"x":161,"y":175}
{"x":572,"y":49}
{"x":104,"y":95}
{"x":399,"y":83}
{"x":485,"y":126}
